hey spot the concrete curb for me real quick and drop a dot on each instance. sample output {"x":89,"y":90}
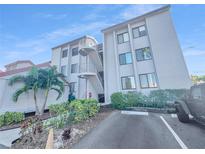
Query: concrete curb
{"x":154,"y":110}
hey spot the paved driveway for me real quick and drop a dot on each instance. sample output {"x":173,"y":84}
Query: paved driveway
{"x":6,"y":137}
{"x":144,"y":130}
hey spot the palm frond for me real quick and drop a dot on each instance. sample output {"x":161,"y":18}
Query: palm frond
{"x":58,"y":91}
{"x":14,"y":79}
{"x":19,"y":92}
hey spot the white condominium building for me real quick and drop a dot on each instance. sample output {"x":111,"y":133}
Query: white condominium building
{"x":80,"y":61}
{"x":143,"y":54}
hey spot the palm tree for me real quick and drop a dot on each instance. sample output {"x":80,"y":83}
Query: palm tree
{"x":44,"y":79}
{"x":49,"y":80}
{"x":30,"y":82}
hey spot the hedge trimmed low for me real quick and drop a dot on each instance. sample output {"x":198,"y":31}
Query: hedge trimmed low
{"x":9,"y":118}
{"x":155,"y":99}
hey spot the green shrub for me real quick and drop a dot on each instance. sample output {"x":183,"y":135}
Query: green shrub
{"x":11,"y":118}
{"x":58,"y":108}
{"x":118,"y":100}
{"x":123,"y":100}
{"x":57,"y":122}
{"x":1,"y":120}
{"x":155,"y":99}
{"x":83,"y":109}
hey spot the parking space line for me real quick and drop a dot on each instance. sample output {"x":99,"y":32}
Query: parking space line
{"x":174,"y":115}
{"x":135,"y":113}
{"x":181,"y":143}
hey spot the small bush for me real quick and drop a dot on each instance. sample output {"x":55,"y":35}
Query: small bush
{"x":83,"y":109}
{"x":1,"y":120}
{"x":9,"y":118}
{"x":57,"y":109}
{"x":118,"y":101}
{"x":57,"y":122}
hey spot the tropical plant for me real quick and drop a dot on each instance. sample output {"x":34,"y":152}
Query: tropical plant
{"x":44,"y":79}
{"x":49,"y":80}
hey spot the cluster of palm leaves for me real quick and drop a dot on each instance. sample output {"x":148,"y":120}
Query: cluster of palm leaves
{"x":45,"y":79}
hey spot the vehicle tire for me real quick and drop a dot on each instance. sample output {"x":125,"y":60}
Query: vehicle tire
{"x":182,"y":115}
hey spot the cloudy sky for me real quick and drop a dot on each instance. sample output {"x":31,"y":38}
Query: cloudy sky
{"x":30,"y":31}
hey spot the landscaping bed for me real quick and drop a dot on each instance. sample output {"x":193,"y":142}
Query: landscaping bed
{"x":64,"y":137}
{"x":46,"y":115}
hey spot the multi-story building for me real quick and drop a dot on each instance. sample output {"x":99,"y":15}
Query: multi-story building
{"x":80,"y":61}
{"x":143,"y":54}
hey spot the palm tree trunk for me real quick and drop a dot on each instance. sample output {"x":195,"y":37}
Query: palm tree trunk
{"x":36,"y":105}
{"x":45,"y":101}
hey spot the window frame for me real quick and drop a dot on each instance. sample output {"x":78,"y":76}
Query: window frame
{"x":138,"y":29}
{"x":76,"y":68}
{"x":125,"y":58}
{"x":122,"y":38}
{"x":62,"y":55}
{"x":74,"y":87}
{"x":64,"y":70}
{"x":148,"y":81}
{"x":72,"y":52}
{"x":143,"y":54}
{"x":127,"y":77}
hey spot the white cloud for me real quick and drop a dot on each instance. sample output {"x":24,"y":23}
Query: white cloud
{"x":136,"y":10}
{"x":52,"y":16}
{"x":194,"y":52}
{"x":27,"y":49}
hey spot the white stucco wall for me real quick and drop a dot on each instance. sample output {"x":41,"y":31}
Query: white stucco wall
{"x":167,"y":62}
{"x":25,"y":102}
{"x":168,"y":58}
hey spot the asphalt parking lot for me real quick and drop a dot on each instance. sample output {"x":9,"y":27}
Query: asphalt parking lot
{"x":143,"y":130}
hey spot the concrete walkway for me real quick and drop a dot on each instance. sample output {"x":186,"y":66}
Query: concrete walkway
{"x":6,"y":137}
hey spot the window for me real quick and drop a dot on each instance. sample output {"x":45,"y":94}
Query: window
{"x":139,"y":31}
{"x":148,"y":80}
{"x":196,"y":93}
{"x":124,"y":37}
{"x":74,"y":68}
{"x":72,"y":87}
{"x":74,"y":51}
{"x":125,"y":58}
{"x":143,"y":54}
{"x":64,"y":53}
{"x":63,"y":70}
{"x":128,"y":82}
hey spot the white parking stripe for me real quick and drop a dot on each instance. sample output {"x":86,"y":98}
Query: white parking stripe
{"x":181,"y":143}
{"x":135,"y":113}
{"x":173,"y":115}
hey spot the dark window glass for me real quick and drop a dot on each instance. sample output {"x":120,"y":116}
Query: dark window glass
{"x":74,"y":68}
{"x":74,"y":51}
{"x":125,"y":58}
{"x":139,"y":31}
{"x":72,"y":87}
{"x":128,"y":82}
{"x":64,"y":53}
{"x":148,"y":80}
{"x":63,"y":70}
{"x":124,"y":37}
{"x":143,"y":54}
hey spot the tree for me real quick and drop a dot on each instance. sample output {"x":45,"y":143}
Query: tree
{"x":49,"y":80}
{"x":44,"y":79}
{"x":197,"y":79}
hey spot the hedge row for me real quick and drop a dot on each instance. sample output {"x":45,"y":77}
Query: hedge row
{"x":155,"y":99}
{"x":9,"y":118}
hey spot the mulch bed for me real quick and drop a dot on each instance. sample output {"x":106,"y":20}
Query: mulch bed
{"x":65,"y":137}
